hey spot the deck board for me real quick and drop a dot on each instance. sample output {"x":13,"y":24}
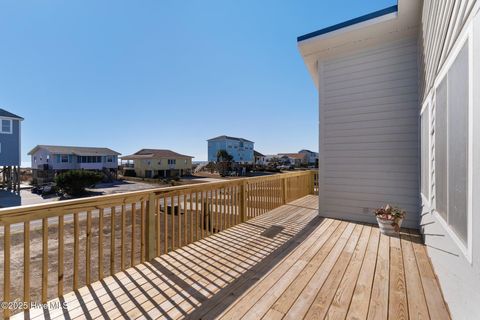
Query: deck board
{"x":286,"y":264}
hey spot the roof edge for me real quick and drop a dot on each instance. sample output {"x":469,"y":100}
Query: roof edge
{"x":348,"y":23}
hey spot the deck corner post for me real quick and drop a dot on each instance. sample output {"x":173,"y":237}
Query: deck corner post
{"x":243,"y":201}
{"x":150,"y":235}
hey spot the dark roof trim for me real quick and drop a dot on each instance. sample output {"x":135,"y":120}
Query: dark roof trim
{"x":348,"y":23}
{"x":224,"y":137}
{"x":5,"y":113}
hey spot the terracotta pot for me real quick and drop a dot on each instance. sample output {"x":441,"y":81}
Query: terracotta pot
{"x":386,"y":226}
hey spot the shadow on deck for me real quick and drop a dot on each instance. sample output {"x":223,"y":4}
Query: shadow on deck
{"x":287,"y":263}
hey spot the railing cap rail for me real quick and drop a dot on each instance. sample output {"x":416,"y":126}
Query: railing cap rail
{"x":84,"y":204}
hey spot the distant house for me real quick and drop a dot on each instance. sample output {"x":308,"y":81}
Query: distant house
{"x":312,"y":157}
{"x":10,"y":138}
{"x":62,"y":158}
{"x":259,"y":158}
{"x":295,"y":159}
{"x":240,"y":149}
{"x":152,"y":163}
{"x":266,"y":159}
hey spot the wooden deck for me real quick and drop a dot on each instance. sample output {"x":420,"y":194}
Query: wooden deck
{"x":286,"y":264}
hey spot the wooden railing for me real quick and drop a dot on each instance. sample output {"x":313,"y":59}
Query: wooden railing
{"x":60,"y":246}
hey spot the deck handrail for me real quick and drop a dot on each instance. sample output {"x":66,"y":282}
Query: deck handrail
{"x":135,"y":227}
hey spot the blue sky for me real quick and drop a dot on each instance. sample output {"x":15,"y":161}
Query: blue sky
{"x":163,"y":74}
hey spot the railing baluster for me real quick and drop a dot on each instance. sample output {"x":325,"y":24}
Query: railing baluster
{"x":122,"y":256}
{"x":142,"y":231}
{"x":44,"y":259}
{"x":216,"y":211}
{"x":202,"y":212}
{"x":112,"y":240}
{"x":76,"y":250}
{"x":172,"y":218}
{"x":191,"y":218}
{"x":26,"y":263}
{"x":133,"y":225}
{"x":197,"y":218}
{"x":185,"y":219}
{"x":6,"y":268}
{"x":88,"y":248}
{"x":61,"y":242}
{"x":221,"y":208}
{"x":157,"y":222}
{"x":165,"y":224}
{"x":100,"y":244}
{"x":179,"y":222}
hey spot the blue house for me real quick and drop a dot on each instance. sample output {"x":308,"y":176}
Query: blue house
{"x":240,"y":149}
{"x":10,"y":137}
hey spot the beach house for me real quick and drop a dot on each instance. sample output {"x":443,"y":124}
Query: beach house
{"x":47,"y":160}
{"x":239,"y":148}
{"x":10,"y":139}
{"x":159,"y":163}
{"x":398,"y":124}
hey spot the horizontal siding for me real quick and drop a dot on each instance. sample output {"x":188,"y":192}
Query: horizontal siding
{"x":442,"y":22}
{"x":369,"y":110}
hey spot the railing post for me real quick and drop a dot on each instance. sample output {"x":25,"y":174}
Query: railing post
{"x":284,"y":190}
{"x":312,"y":182}
{"x":243,"y":201}
{"x":150,"y":235}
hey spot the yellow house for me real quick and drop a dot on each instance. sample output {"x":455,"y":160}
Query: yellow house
{"x":159,"y":163}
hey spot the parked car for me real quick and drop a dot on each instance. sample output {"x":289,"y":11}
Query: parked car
{"x":45,"y":189}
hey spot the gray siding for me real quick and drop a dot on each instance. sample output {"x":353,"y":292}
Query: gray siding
{"x":10,"y":146}
{"x":369,"y":132}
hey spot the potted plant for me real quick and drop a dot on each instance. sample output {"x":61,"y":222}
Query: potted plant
{"x":390,"y":219}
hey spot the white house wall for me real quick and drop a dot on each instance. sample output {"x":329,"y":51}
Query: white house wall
{"x":442,"y":22}
{"x":458,"y":270}
{"x":369,"y":131}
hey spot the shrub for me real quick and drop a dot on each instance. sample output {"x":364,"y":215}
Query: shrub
{"x":74,"y":182}
{"x":129,"y":173}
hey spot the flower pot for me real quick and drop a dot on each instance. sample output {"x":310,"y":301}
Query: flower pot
{"x":386,"y":226}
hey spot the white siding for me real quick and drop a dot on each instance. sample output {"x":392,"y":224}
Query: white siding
{"x":442,"y":22}
{"x":369,"y":132}
{"x":459,"y":274}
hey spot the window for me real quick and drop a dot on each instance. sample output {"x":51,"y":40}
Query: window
{"x":89,"y":159}
{"x":172,"y":161}
{"x":425,"y":154}
{"x":6,"y":126}
{"x":48,"y":158}
{"x":64,"y":158}
{"x":451,"y":146}
{"x":109,"y":158}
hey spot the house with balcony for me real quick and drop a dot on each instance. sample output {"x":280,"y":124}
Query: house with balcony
{"x":158,"y":163}
{"x":47,"y":160}
{"x":242,"y":150}
{"x":398,"y":109}
{"x":10,"y":149}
